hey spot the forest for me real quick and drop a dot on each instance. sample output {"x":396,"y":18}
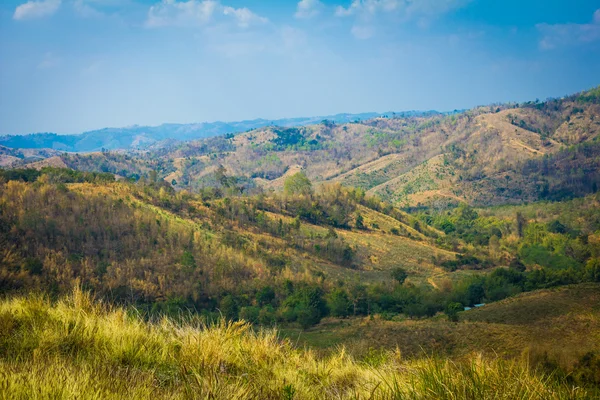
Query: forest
{"x":255,"y":257}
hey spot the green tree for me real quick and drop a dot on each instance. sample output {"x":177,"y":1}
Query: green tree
{"x":592,"y":270}
{"x":249,"y":314}
{"x":399,"y":274}
{"x":265,"y":295}
{"x":521,"y":222}
{"x":297,"y":184}
{"x":339,"y":304}
{"x":360,"y":221}
{"x":228,"y":307}
{"x":452,"y":310}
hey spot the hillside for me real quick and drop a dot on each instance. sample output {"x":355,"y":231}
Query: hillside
{"x":143,"y":137}
{"x":506,"y":154}
{"x":293,"y":257}
{"x":560,"y":324}
{"x":96,"y":351}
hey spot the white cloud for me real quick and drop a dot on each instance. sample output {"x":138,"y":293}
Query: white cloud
{"x":244,"y":16}
{"x":198,"y":13}
{"x":556,"y":35}
{"x":83,"y":9}
{"x":368,"y":12}
{"x":36,"y":9}
{"x":368,"y":7}
{"x":409,"y":8}
{"x":308,"y":9}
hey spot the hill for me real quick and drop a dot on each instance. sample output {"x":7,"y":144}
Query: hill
{"x":559,"y":325}
{"x":501,"y":154}
{"x":100,"y":352}
{"x":294,"y":257}
{"x":141,"y":137}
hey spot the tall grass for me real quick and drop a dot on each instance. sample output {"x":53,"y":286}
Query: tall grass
{"x":79,"y":348}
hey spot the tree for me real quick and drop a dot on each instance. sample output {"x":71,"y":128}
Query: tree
{"x":521,"y":222}
{"x":265,"y":295}
{"x":517,"y":265}
{"x":250,"y":314}
{"x":153,"y":175}
{"x":339,"y":304}
{"x":297,"y":184}
{"x":221,"y":176}
{"x":592,"y":270}
{"x":399,"y":274}
{"x":360,"y":221}
{"x":452,"y":310}
{"x":228,"y":307}
{"x":466,"y":212}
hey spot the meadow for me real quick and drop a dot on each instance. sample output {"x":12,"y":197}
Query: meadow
{"x":77,"y":347}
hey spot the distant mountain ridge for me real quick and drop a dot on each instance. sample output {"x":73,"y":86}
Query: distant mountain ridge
{"x":142,"y":137}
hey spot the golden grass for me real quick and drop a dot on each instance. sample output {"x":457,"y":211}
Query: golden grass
{"x":77,"y":348}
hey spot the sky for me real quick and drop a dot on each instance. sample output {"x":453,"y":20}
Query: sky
{"x":69,"y":66}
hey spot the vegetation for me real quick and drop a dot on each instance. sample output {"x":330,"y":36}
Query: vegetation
{"x":96,"y":351}
{"x":257,"y":257}
{"x":473,"y":236}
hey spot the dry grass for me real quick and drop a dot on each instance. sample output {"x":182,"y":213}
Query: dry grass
{"x":77,"y":348}
{"x":563,"y":323}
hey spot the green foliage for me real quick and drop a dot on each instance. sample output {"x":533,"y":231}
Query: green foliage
{"x":359,"y":222}
{"x":228,"y":307}
{"x":540,"y":255}
{"x":592,"y":270}
{"x":297,"y":184}
{"x":306,"y":306}
{"x":399,"y":275}
{"x":452,"y":310}
{"x":55,"y":175}
{"x":339,"y":303}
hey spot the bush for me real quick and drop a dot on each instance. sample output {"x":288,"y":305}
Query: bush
{"x":338,"y":303}
{"x":249,"y":314}
{"x":399,"y":274}
{"x":452,"y":310}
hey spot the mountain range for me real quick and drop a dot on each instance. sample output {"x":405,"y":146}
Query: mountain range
{"x":141,"y":137}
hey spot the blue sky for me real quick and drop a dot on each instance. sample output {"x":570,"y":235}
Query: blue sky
{"x":73,"y":65}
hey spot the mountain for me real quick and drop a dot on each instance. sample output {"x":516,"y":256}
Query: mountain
{"x":140,"y":137}
{"x":501,"y":154}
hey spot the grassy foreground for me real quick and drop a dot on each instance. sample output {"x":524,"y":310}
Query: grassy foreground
{"x":79,"y":348}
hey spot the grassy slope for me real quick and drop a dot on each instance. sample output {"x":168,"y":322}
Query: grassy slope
{"x":564,"y":322}
{"x":78,"y":349}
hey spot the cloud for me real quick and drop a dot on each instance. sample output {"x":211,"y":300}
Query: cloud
{"x":36,"y":9}
{"x":407,"y":8}
{"x":557,"y":35}
{"x":308,"y":9}
{"x":193,"y":13}
{"x":84,"y":10}
{"x":368,"y":7}
{"x":244,"y":17}
{"x":367,"y":12}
